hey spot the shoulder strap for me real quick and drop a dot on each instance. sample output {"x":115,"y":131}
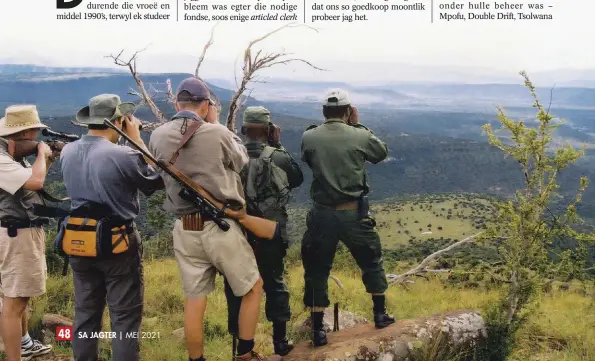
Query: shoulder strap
{"x":267,"y":152}
{"x":192,"y":128}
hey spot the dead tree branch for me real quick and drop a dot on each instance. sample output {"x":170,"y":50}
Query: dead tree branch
{"x":142,"y":91}
{"x":254,"y":63}
{"x":204,"y":52}
{"x":423,"y":266}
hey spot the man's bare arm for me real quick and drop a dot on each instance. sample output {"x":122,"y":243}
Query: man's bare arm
{"x":39,"y":169}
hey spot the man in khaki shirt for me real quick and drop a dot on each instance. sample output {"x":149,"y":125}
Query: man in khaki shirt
{"x":22,"y":238}
{"x":213,"y":159}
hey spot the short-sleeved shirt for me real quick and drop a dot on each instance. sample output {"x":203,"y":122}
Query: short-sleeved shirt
{"x":337,"y":153}
{"x":212,"y":158}
{"x":15,"y":201}
{"x":97,"y":170}
{"x":14,"y":175}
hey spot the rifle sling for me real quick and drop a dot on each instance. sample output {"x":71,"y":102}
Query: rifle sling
{"x":192,"y":128}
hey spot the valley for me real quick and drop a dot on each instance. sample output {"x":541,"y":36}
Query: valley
{"x":439,"y":184}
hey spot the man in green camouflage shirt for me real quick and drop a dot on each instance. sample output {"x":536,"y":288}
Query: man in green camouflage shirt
{"x":336,"y":151}
{"x":268,"y":199}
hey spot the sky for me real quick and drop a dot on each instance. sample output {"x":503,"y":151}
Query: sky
{"x":370,"y":49}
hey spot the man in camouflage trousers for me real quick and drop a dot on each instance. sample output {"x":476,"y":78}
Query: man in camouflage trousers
{"x":267,"y":192}
{"x":336,"y":151}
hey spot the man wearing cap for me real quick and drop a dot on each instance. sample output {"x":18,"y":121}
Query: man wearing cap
{"x":22,"y":238}
{"x":268,"y":199}
{"x":104,"y":178}
{"x":336,"y":151}
{"x":212,"y":158}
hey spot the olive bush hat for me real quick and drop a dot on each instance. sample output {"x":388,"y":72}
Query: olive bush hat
{"x":257,"y":116}
{"x":104,"y":106}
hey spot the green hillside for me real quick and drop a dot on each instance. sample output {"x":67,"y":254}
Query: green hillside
{"x":433,"y":216}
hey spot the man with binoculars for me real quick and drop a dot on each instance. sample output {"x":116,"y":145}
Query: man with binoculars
{"x":268,"y":178}
{"x":22,"y":238}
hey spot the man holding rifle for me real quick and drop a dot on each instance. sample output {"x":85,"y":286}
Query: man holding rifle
{"x":208,"y":154}
{"x":103,"y":180}
{"x":22,"y":238}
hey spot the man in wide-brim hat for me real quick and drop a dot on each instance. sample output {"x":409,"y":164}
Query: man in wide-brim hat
{"x":22,"y":238}
{"x":97,"y":172}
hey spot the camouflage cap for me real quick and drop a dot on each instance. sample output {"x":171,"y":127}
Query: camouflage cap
{"x":257,"y":116}
{"x":336,"y":97}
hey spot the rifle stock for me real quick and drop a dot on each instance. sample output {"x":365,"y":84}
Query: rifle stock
{"x":260,"y":227}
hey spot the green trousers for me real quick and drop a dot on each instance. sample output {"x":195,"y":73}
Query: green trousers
{"x":325,"y":227}
{"x":270,"y":255}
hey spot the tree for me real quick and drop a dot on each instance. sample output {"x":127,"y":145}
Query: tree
{"x":253,"y":63}
{"x":528,"y":225}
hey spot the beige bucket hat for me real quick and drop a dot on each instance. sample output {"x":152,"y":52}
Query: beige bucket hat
{"x":18,"y":118}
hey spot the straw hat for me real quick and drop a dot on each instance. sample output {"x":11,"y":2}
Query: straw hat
{"x":19,"y":118}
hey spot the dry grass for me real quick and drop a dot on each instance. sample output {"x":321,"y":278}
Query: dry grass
{"x":564,"y":329}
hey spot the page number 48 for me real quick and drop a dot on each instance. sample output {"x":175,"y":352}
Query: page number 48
{"x":64,"y":333}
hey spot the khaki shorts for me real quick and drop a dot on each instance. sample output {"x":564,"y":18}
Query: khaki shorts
{"x":200,"y":254}
{"x":23,"y":270}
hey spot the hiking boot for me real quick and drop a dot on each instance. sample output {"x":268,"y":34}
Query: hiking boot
{"x":319,"y":338}
{"x":253,"y":356}
{"x":37,"y":349}
{"x":282,"y":347}
{"x":381,"y":320}
{"x":23,"y":358}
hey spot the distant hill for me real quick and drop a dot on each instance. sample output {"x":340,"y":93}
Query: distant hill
{"x":62,"y":94}
{"x":32,"y":68}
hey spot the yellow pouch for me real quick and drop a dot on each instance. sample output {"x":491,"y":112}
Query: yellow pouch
{"x":80,"y":237}
{"x":86,"y":237}
{"x":119,"y":240}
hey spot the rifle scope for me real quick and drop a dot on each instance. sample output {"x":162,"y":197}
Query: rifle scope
{"x":68,"y":137}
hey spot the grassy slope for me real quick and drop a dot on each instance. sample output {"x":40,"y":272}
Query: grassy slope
{"x":456,"y":215}
{"x":565,"y":321}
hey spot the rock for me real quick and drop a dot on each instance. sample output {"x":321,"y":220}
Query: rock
{"x":51,"y":321}
{"x":346,"y":320}
{"x":397,"y":342}
{"x":178,"y":334}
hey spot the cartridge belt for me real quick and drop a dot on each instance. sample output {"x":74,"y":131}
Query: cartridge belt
{"x":194,"y":221}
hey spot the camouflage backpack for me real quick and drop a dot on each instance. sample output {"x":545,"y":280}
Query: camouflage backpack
{"x":265,"y":184}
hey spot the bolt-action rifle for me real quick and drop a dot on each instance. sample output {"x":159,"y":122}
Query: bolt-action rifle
{"x":19,"y":149}
{"x":205,"y":202}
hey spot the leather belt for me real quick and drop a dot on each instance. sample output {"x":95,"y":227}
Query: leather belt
{"x":13,"y":224}
{"x":194,"y":221}
{"x":349,"y":206}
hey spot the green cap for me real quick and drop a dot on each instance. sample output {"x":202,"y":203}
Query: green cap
{"x":257,"y":116}
{"x":104,"y":106}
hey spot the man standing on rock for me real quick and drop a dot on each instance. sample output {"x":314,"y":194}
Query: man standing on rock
{"x":22,"y":237}
{"x":103,"y":179}
{"x":336,"y":151}
{"x":268,"y":179}
{"x":210,"y":156}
